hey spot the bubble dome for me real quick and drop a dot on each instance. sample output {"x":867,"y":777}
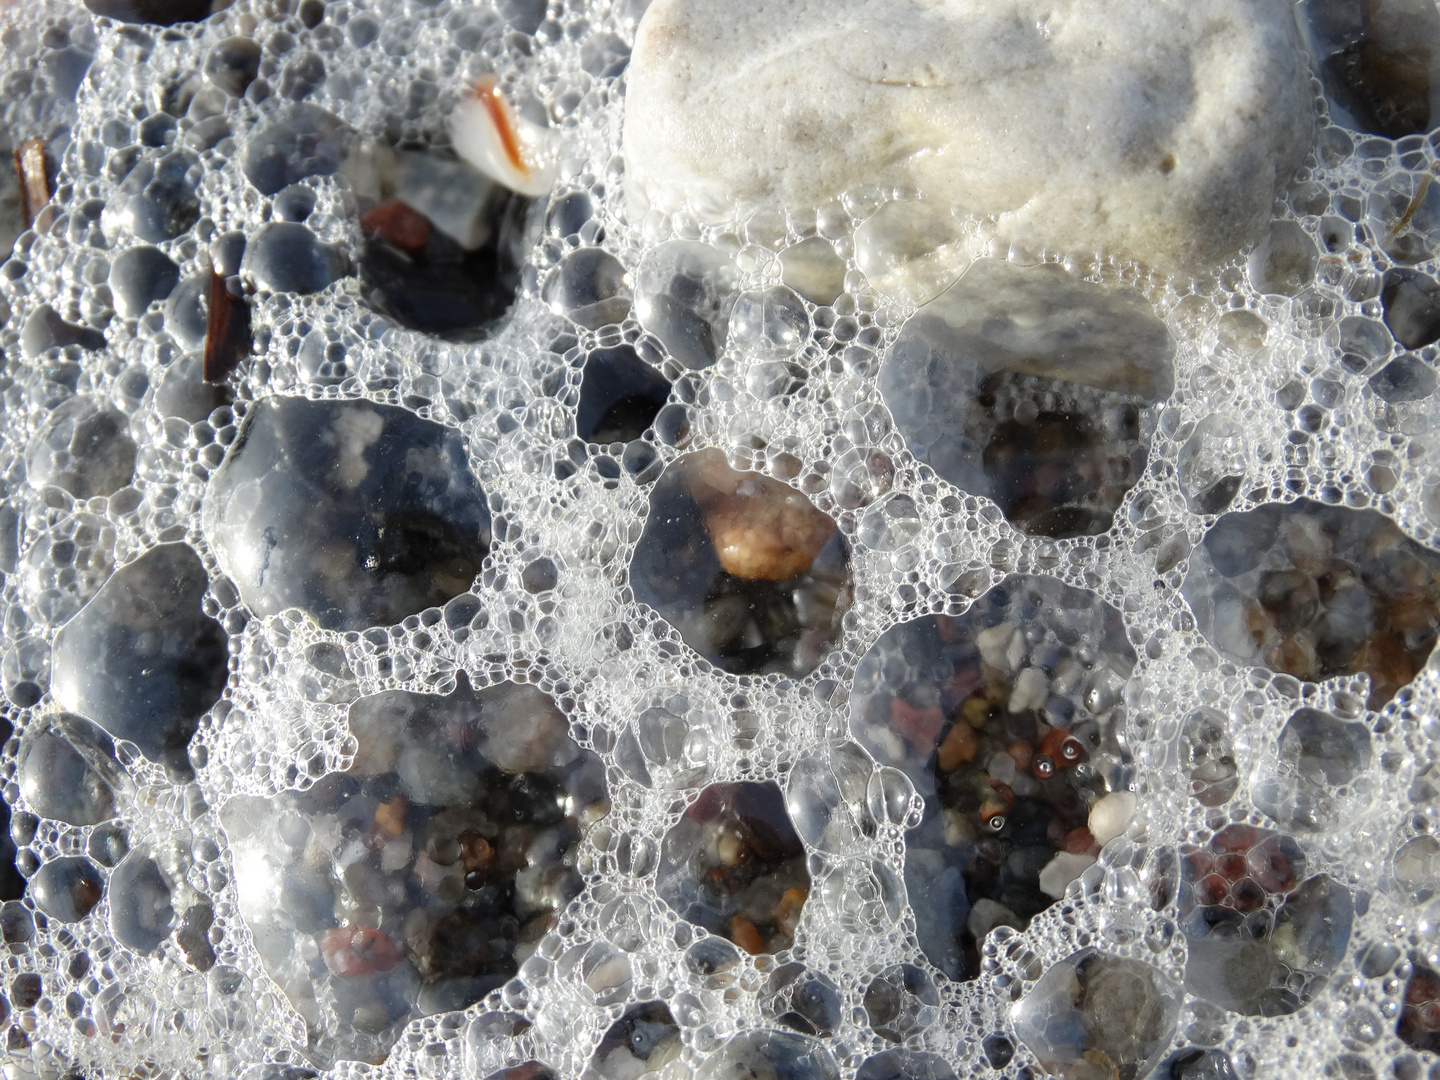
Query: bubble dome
{"x":464,"y":615}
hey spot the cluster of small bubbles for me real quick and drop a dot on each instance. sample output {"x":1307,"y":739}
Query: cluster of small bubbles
{"x":455,"y":631}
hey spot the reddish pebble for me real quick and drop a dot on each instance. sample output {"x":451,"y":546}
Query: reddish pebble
{"x":919,"y":727}
{"x":1079,"y":842}
{"x":397,"y":223}
{"x":357,"y":950}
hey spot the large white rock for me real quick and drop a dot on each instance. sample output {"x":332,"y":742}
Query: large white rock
{"x":1158,"y":130}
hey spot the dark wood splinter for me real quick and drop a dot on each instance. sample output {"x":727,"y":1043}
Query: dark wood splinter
{"x":227,"y":331}
{"x":34,"y":182}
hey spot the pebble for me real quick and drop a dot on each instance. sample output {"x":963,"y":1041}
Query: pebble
{"x":763,"y":529}
{"x":1073,"y":138}
{"x":157,"y":200}
{"x":139,"y":276}
{"x":67,"y":889}
{"x":769,"y":1055}
{"x":1411,"y":302}
{"x":154,"y":12}
{"x":83,"y":448}
{"x":1317,"y":591}
{"x":358,"y":514}
{"x":1380,"y":62}
{"x":59,"y":782}
{"x":232,"y":64}
{"x":184,"y":393}
{"x":736,"y":866}
{"x":753,"y":576}
{"x":45,"y":330}
{"x":1319,"y":755}
{"x":142,"y":659}
{"x":425,"y":875}
{"x":187,"y":312}
{"x":1110,"y":815}
{"x":1094,"y":1015}
{"x":1007,"y":793}
{"x":1064,"y":868}
{"x":643,"y":1041}
{"x":1026,"y":385}
{"x":285,"y":256}
{"x":300,"y":140}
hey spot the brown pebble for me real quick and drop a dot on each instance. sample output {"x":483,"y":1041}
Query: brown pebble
{"x":1078,"y":841}
{"x":390,"y":816}
{"x":762,"y":529}
{"x":744,"y":934}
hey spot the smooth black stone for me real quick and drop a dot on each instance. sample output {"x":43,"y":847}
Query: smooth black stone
{"x":156,"y":12}
{"x":442,"y":288}
{"x":139,"y":276}
{"x":358,"y":514}
{"x":1412,"y":307}
{"x":183,"y":392}
{"x":67,"y":889}
{"x":83,"y":449}
{"x":142,"y":659}
{"x":233,"y":64}
{"x":45,"y":329}
{"x":186,"y":312}
{"x":303,"y":140}
{"x":141,"y":915}
{"x":620,"y":396}
{"x":157,"y":200}
{"x":1407,"y":378}
{"x":285,"y":256}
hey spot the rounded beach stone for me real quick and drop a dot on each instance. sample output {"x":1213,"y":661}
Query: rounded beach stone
{"x":1159,"y":133}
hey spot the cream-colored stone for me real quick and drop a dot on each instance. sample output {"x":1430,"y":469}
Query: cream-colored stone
{"x":1159,"y":131}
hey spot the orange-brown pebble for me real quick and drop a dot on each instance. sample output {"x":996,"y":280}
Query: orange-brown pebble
{"x":744,"y":934}
{"x":390,"y":816}
{"x":960,"y":746}
{"x":405,"y":228}
{"x":1078,"y":841}
{"x":762,"y":529}
{"x":787,"y":911}
{"x":1022,"y":752}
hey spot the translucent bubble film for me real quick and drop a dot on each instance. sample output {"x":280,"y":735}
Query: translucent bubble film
{"x":466,"y":614}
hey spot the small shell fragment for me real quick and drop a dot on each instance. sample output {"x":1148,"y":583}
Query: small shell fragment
{"x":508,"y":149}
{"x":34,"y":183}
{"x":227,"y":331}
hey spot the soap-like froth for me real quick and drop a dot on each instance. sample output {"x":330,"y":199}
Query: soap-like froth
{"x":1161,"y":133}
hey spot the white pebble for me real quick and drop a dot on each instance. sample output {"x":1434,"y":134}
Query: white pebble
{"x":1061,"y":870}
{"x":1031,"y":690}
{"x":1110,"y":815}
{"x":1160,"y":132}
